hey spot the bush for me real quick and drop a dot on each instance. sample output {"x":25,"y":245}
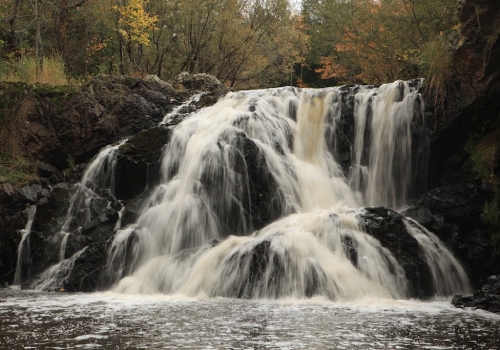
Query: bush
{"x":436,"y":61}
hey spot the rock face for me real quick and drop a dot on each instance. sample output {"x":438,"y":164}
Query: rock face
{"x":463,"y":170}
{"x":487,"y":298}
{"x":472,"y":104}
{"x":58,"y":126}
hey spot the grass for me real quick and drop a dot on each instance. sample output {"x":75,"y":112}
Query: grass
{"x":17,"y":171}
{"x":436,"y":60}
{"x":24,"y":70}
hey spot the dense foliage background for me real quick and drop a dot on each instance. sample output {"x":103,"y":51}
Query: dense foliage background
{"x":245,"y":43}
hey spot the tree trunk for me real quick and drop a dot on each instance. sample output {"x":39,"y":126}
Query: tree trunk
{"x":38,"y":40}
{"x":63,"y":34}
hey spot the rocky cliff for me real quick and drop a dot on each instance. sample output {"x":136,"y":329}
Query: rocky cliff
{"x":463,"y":204}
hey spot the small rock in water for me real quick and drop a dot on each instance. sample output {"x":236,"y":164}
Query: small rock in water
{"x":487,"y":298}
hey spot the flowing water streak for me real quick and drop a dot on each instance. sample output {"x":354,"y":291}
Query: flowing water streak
{"x":23,"y":250}
{"x":55,"y":276}
{"x":448,"y":275}
{"x":383,"y":142}
{"x":96,"y":186}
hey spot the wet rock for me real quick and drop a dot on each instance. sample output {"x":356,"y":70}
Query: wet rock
{"x":262,"y":199}
{"x":487,"y":298}
{"x":31,"y":192}
{"x":388,"y":227}
{"x":87,"y":270}
{"x":9,"y":240}
{"x":453,"y":213}
{"x":139,"y":160}
{"x":50,"y":213}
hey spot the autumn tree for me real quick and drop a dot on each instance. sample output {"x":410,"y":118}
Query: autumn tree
{"x":373,"y":41}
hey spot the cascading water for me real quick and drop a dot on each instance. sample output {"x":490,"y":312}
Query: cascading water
{"x":258,"y":156}
{"x":23,"y":250}
{"x":97,"y":185}
{"x":90,"y":198}
{"x":382,"y":151}
{"x":55,"y":276}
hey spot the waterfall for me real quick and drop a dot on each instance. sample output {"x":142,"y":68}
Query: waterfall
{"x":261,"y":196}
{"x":383,"y":142}
{"x":23,"y":250}
{"x":255,"y":199}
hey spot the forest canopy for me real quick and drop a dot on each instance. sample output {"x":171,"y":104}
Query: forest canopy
{"x":244,"y":43}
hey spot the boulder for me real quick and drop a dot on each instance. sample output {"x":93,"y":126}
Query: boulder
{"x":487,"y":298}
{"x":199,"y":81}
{"x":388,"y":227}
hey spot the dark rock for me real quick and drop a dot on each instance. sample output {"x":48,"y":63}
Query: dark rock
{"x":58,"y":126}
{"x":139,"y":160}
{"x":9,"y":240}
{"x":453,"y":213}
{"x":31,"y":192}
{"x":8,"y":193}
{"x":487,"y":298}
{"x":47,"y":170}
{"x":496,"y":163}
{"x":388,"y":227}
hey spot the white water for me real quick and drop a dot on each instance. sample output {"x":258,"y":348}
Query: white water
{"x":386,"y":174}
{"x":268,"y":147}
{"x":23,"y":250}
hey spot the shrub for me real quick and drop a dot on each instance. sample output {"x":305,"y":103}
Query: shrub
{"x":436,"y":61}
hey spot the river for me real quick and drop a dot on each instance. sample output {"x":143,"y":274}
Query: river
{"x":39,"y":320}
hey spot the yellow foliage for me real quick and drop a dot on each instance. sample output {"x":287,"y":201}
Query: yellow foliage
{"x":135,"y":23}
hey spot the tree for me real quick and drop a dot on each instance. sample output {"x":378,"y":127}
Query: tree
{"x":373,"y":41}
{"x":134,"y":27}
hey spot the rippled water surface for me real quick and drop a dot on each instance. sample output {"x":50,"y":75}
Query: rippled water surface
{"x":34,"y":320}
